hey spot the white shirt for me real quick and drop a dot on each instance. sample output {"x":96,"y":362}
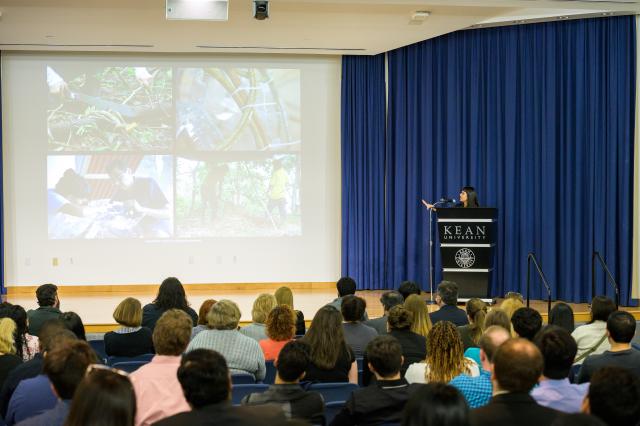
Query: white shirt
{"x":586,"y":336}
{"x":417,"y":371}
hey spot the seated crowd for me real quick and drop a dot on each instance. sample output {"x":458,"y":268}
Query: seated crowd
{"x":455,"y":367}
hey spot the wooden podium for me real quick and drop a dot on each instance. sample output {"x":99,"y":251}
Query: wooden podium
{"x":467,"y":246}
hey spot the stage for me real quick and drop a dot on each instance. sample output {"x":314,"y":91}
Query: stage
{"x":96,"y":307}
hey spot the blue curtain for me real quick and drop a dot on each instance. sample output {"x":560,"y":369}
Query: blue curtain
{"x":363,"y":150}
{"x":540,"y":119}
{"x":3,"y":289}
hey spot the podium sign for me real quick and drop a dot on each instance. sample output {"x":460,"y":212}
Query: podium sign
{"x":467,"y":246}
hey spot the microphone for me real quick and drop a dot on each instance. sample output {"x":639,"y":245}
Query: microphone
{"x":446,"y":200}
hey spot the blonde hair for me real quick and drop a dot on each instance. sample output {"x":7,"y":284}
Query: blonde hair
{"x":7,"y":342}
{"x":445,"y":354}
{"x":284,"y":296}
{"x":262,"y":306}
{"x":224,"y":315}
{"x":477,"y":312}
{"x":421,"y":321}
{"x":510,"y":305}
{"x":128,"y":312}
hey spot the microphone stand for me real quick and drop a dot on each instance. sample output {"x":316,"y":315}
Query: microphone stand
{"x":431,"y":269}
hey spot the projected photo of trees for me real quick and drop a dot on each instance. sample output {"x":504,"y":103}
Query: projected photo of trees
{"x":109,"y":109}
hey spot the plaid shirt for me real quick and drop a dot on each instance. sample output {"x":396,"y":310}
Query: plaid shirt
{"x":476,"y":390}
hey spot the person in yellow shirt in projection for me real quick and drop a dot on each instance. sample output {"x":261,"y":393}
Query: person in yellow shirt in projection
{"x":277,"y":190}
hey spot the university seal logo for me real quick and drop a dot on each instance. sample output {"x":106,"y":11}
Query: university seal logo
{"x":465,"y":258}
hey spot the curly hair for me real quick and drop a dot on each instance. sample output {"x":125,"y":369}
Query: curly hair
{"x":421,"y":321}
{"x":445,"y":354}
{"x":262,"y":306}
{"x":400,"y":318}
{"x":281,"y":323}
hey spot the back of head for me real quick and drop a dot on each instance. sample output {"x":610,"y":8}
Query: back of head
{"x":224,"y":315}
{"x":517,"y":365}
{"x":284,"y":296}
{"x":390,"y":299}
{"x":477,"y":313}
{"x":601,"y":308}
{"x":293,"y":361}
{"x":128,"y":312}
{"x":66,"y":365}
{"x":204,"y":378}
{"x":50,"y":332}
{"x":263,"y":304}
{"x":614,"y":396}
{"x":385,"y":355}
{"x":204,"y":311}
{"x":436,"y":404}
{"x":103,"y":398}
{"x":281,"y":323}
{"x":491,"y":340}
{"x":171,"y":295}
{"x":421,"y":320}
{"x":346,"y":286}
{"x":561,"y":315}
{"x":621,"y":326}
{"x":558,"y":350}
{"x":497,"y":317}
{"x":353,"y":308}
{"x":448,"y":292}
{"x":445,"y":353}
{"x":46,"y":294}
{"x":325,"y":337}
{"x":172,"y":333}
{"x":7,"y":330}
{"x":407,"y":288}
{"x":400,"y":318}
{"x":73,"y":322}
{"x":526,"y":322}
{"x":510,"y":305}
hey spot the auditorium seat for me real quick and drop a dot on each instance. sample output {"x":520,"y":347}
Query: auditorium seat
{"x":573,"y":373}
{"x":129,"y":366}
{"x":270,"y":376}
{"x":240,"y":391}
{"x":98,"y":346}
{"x":119,"y":359}
{"x":359,"y":362}
{"x":334,"y":391}
{"x":242,"y":379}
{"x":331,"y":409}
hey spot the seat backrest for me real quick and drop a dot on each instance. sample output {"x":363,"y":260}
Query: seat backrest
{"x":331,"y":409}
{"x":98,"y":347}
{"x":112,"y":360}
{"x":129,"y":366}
{"x":334,"y":391}
{"x":240,"y":391}
{"x":270,"y":376}
{"x":242,"y":379}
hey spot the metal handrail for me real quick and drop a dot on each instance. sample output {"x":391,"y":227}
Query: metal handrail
{"x":532,"y":258}
{"x":612,"y":281}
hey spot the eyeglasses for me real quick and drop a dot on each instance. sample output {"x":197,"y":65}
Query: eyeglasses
{"x":101,"y":367}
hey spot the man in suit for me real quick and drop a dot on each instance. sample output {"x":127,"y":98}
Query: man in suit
{"x":517,"y":365}
{"x":447,"y":299}
{"x":388,"y":300}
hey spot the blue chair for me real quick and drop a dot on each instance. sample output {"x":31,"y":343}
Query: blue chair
{"x":334,"y":391}
{"x":242,"y":379}
{"x":129,"y":366}
{"x":98,"y":347}
{"x":112,"y":360}
{"x":574,"y":372}
{"x":359,"y":362}
{"x":331,"y":409}
{"x":240,"y":391}
{"x":270,"y":377}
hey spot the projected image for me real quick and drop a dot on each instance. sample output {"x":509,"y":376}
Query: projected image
{"x":109,"y":196}
{"x":109,"y":108}
{"x":243,"y":198}
{"x":238,"y":109}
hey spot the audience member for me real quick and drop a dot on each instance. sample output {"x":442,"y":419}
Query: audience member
{"x":48,"y":336}
{"x":383,"y":401}
{"x":131,"y":339}
{"x":243,"y":354}
{"x":346,"y":286}
{"x":614,"y":397}
{"x":447,"y":300}
{"x":8,"y":358}
{"x":202,"y":317}
{"x":421,"y":323}
{"x":621,"y":327}
{"x":578,"y":419}
{"x":497,"y":316}
{"x":155,"y":383}
{"x":204,"y":378}
{"x":332,"y":360}
{"x":558,"y":351}
{"x":436,"y":404}
{"x":445,"y":357}
{"x":388,"y":300}
{"x":510,"y":305}
{"x":170,"y":296}
{"x":471,"y":333}
{"x":478,"y":390}
{"x":592,"y":337}
{"x":34,"y":395}
{"x":517,"y":365}
{"x":295,"y":401}
{"x":73,"y":323}
{"x":26,"y":344}
{"x":49,"y":308}
{"x":261,"y":308}
{"x":356,"y":334}
{"x":281,"y":329}
{"x":65,"y":366}
{"x":561,"y":315}
{"x":284,"y":296}
{"x":407,"y":288}
{"x":526,"y":323}
{"x":104,"y":397}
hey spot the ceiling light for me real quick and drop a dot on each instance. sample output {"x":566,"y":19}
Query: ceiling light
{"x":198,"y":10}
